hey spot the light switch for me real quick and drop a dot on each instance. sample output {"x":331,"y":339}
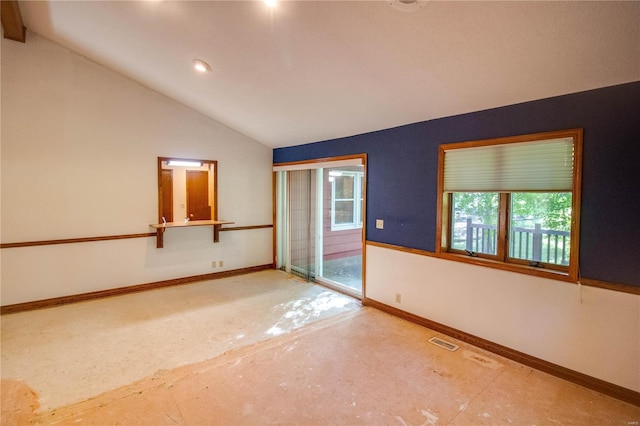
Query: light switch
{"x":379,"y":224}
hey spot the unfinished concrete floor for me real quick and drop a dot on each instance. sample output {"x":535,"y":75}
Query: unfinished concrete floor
{"x":262,"y":349}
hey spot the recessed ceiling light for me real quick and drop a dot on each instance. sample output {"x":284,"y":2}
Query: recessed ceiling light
{"x":201,"y":65}
{"x":271,"y":3}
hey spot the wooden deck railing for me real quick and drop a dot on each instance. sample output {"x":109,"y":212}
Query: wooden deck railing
{"x":534,"y":244}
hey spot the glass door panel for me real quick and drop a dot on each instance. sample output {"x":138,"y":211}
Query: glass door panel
{"x":342,"y":221}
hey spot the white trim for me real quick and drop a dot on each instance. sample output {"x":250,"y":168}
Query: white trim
{"x":358,"y":181}
{"x":319,"y":221}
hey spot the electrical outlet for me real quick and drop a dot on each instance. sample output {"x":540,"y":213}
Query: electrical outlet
{"x":221,"y":263}
{"x":398,"y":298}
{"x":213,"y":263}
{"x":379,"y":224}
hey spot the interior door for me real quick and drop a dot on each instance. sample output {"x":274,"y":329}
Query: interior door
{"x":198,"y":195}
{"x":167,"y":194}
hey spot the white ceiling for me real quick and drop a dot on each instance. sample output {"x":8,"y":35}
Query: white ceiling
{"x":313,"y":70}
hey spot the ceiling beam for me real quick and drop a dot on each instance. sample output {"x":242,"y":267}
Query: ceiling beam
{"x":12,"y":24}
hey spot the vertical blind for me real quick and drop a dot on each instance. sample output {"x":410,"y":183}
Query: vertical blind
{"x":545,"y":165}
{"x":301,"y":224}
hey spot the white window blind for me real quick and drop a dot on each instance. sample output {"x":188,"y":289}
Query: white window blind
{"x":545,"y":165}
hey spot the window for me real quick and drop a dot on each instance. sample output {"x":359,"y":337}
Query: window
{"x":512,"y":202}
{"x":346,"y":199}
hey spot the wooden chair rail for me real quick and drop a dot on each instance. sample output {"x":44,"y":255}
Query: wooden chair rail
{"x":109,"y":238}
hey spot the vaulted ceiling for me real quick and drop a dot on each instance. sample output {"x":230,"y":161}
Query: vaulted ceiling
{"x":307,"y":71}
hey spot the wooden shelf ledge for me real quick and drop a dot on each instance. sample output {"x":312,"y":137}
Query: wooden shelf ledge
{"x":161,"y":227}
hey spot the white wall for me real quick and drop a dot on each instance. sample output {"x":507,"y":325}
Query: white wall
{"x":79,"y":159}
{"x":590,"y":330}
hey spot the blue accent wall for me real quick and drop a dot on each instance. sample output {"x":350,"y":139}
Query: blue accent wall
{"x":403,"y":161}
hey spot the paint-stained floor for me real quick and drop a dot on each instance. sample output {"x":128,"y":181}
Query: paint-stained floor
{"x":264,"y":349}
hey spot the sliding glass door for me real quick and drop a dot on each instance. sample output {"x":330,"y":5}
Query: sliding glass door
{"x":320,"y":222}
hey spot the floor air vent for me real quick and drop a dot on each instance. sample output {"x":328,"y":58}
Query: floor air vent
{"x":445,"y":345}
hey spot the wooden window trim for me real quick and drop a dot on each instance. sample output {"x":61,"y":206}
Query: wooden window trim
{"x":501,"y":260}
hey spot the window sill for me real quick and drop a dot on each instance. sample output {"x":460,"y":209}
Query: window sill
{"x":511,"y":267}
{"x":345,"y":228}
